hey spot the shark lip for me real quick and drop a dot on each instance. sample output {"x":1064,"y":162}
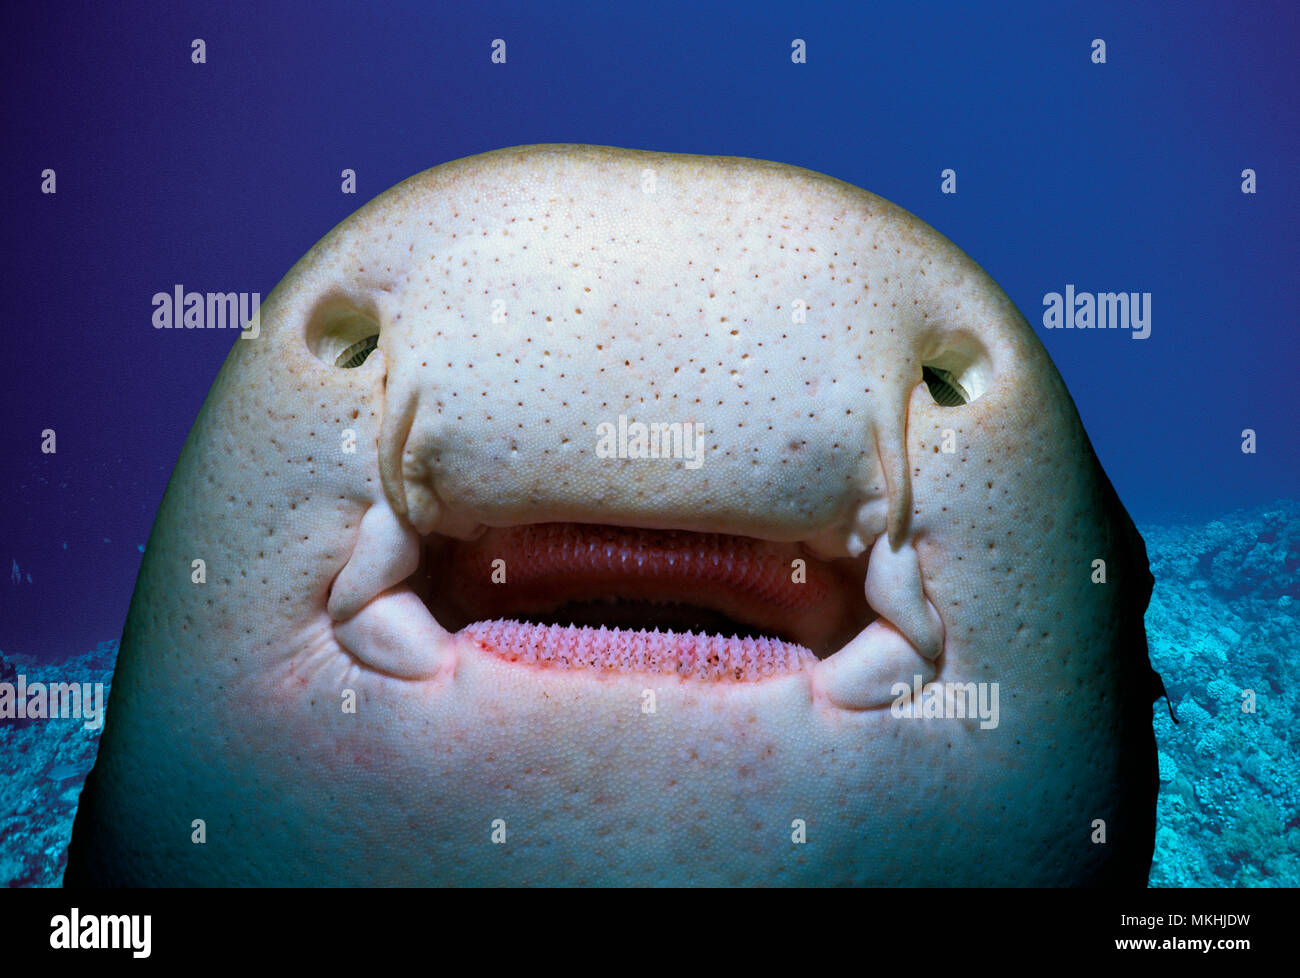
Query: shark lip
{"x":658,"y":600}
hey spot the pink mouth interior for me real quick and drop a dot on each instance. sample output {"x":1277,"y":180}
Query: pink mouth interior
{"x":705,"y":606}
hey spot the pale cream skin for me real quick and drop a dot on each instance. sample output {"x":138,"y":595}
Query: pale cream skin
{"x":661,"y":287}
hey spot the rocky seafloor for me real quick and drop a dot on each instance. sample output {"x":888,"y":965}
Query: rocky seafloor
{"x":43,"y":764}
{"x":1221,"y":629}
{"x":1222,"y":632}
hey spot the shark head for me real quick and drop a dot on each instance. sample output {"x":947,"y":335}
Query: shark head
{"x":600,"y":516}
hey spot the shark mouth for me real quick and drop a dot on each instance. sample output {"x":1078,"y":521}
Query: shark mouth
{"x":700,"y":605}
{"x":602,"y":599}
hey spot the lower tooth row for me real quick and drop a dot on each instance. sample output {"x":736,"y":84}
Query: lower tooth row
{"x":688,"y":655}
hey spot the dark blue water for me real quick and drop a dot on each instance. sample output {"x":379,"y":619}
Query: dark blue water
{"x":1117,"y":177}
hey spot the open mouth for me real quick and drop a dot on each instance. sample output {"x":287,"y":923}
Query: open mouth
{"x":610,"y":599}
{"x":702,"y":605}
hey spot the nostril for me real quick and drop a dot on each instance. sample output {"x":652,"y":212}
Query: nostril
{"x":341,"y":332}
{"x":944,"y":387}
{"x":958,"y":372}
{"x":355,"y":355}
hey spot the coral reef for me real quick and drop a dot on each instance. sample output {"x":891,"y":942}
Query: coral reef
{"x":1220,"y":629}
{"x":45,"y":764}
